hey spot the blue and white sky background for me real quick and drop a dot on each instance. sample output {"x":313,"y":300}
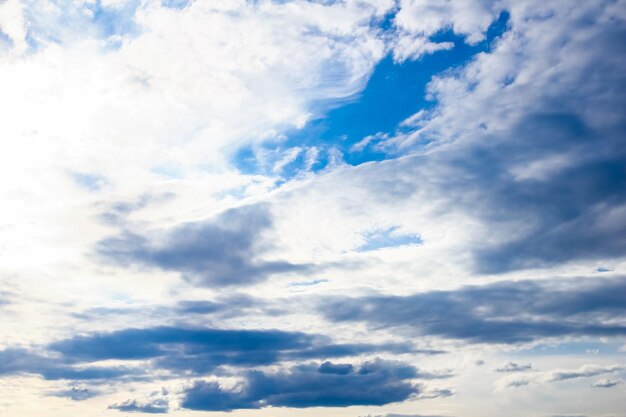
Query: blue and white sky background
{"x":358,"y":208}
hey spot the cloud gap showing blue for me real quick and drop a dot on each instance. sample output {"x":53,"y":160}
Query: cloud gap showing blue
{"x":394,"y":92}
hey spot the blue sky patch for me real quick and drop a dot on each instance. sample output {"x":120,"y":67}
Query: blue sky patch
{"x":389,"y":238}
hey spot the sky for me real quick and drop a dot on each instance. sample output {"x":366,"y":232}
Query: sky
{"x":338,"y":208}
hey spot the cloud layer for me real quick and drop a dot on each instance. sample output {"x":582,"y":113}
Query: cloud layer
{"x":347,"y":208}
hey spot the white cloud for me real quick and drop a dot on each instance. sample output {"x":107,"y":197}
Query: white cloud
{"x":419,"y":20}
{"x":13,"y":25}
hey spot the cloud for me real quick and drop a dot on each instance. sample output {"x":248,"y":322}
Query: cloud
{"x":5,"y":298}
{"x":436,"y":393}
{"x":585,"y":371}
{"x":556,"y":376}
{"x":606,"y":383}
{"x":544,"y":184}
{"x":22,"y":361}
{"x":418,"y":22}
{"x":222,"y":307}
{"x":13,"y":25}
{"x":471,"y":18}
{"x":336,"y":368}
{"x":223,"y":251}
{"x":190,"y":351}
{"x":514,"y":367}
{"x":76,"y":393}
{"x":512,"y":381}
{"x":236,"y":86}
{"x":200,"y":350}
{"x":307,"y":283}
{"x":506,"y":312}
{"x":516,"y":161}
{"x":159,"y":406}
{"x":147,"y":97}
{"x":235,"y":305}
{"x":372,"y":383}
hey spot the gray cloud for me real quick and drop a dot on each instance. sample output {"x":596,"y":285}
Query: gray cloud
{"x":220,"y":252}
{"x":55,"y":367}
{"x":189,"y":351}
{"x":507,"y":312}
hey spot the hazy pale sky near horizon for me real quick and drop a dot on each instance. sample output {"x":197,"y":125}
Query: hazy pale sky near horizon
{"x":358,"y":208}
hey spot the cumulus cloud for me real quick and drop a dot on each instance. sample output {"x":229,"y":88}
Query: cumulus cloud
{"x":418,"y":21}
{"x":372,"y":383}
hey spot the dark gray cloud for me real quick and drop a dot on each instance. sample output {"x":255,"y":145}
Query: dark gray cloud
{"x":573,"y":212}
{"x":199,"y":350}
{"x":572,"y":202}
{"x":373,"y":383}
{"x":336,"y":368}
{"x":223,"y":251}
{"x":507,"y":312}
{"x":158,"y":406}
{"x":190,"y":351}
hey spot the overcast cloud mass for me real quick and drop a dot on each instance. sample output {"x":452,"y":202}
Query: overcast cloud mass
{"x":342,"y":208}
